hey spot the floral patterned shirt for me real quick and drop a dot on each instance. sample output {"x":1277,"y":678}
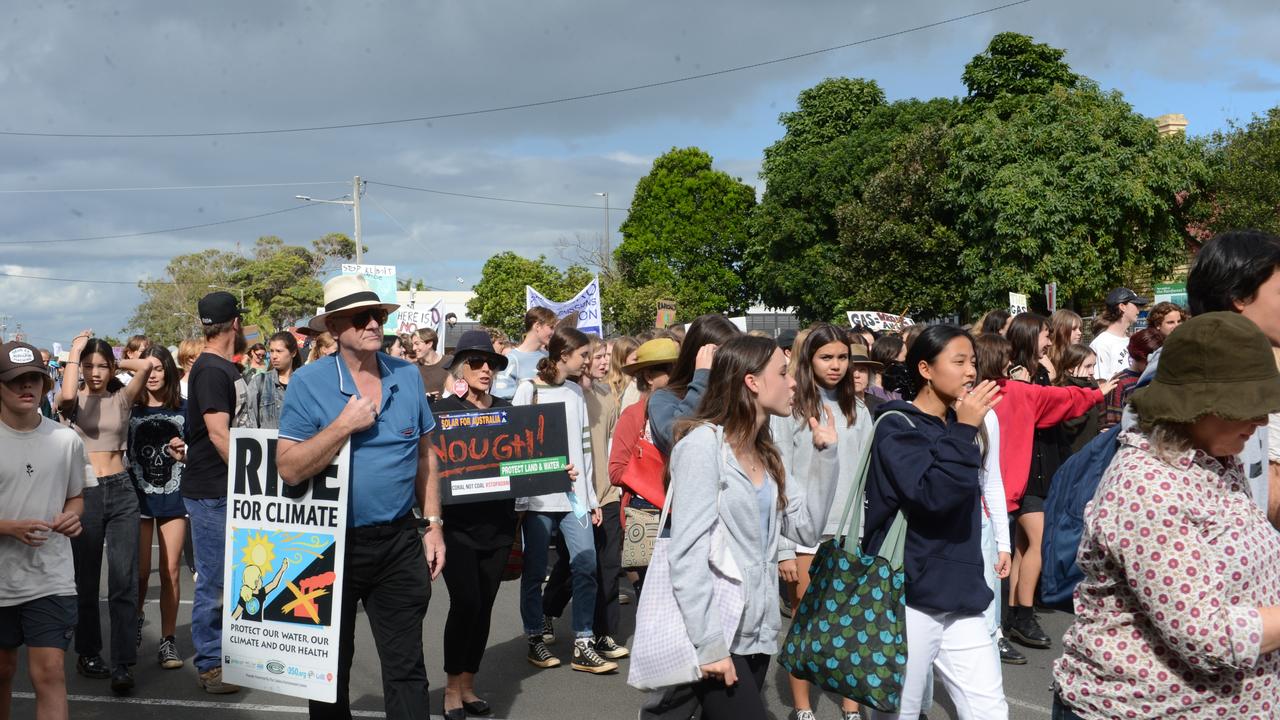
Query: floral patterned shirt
{"x":1177,"y":559}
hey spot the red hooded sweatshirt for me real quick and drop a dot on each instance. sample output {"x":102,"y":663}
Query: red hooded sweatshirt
{"x":1025,"y":409}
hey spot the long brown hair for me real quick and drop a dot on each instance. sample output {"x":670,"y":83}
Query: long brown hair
{"x":729,"y":403}
{"x":1071,"y":359}
{"x":565,"y":341}
{"x":993,"y":352}
{"x":618,"y":380}
{"x":808,"y":399}
{"x":1061,"y":324}
{"x":171,"y":393}
{"x":709,"y":329}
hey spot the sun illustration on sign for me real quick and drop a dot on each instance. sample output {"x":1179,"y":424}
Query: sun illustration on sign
{"x":259,"y":551}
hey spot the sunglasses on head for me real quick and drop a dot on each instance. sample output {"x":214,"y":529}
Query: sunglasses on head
{"x":361,"y":319}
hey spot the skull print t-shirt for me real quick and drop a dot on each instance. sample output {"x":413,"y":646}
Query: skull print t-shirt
{"x":156,"y":475}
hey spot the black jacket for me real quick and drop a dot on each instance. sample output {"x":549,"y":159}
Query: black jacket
{"x":932,"y":471}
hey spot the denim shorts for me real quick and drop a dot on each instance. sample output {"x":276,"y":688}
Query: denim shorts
{"x":47,"y":622}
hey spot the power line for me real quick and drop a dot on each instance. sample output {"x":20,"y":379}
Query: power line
{"x":528,"y":105}
{"x":23,"y":191}
{"x":491,"y":197}
{"x":145,"y":233}
{"x":89,"y":280}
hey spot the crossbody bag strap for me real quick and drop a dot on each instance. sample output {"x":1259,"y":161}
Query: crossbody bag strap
{"x":850,"y":526}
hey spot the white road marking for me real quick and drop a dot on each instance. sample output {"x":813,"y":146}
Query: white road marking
{"x":1014,"y":702}
{"x":202,"y":704}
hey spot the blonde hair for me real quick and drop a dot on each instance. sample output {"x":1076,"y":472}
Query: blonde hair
{"x":794,"y":363}
{"x":1169,"y":440}
{"x":322,"y":342}
{"x":188,"y":351}
{"x":618,"y":380}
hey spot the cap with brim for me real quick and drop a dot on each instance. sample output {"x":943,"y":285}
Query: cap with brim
{"x":345,"y":293}
{"x":787,"y":338}
{"x":858,"y":356}
{"x":476,"y":342}
{"x":303,"y":328}
{"x":1125,"y":295}
{"x":1196,"y":378}
{"x":660,"y":351}
{"x":18,"y":359}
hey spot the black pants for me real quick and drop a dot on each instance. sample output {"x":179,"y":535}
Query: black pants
{"x":110,"y":518}
{"x":472,"y":577}
{"x":387,"y":571}
{"x":742,"y":701}
{"x":559,"y":590}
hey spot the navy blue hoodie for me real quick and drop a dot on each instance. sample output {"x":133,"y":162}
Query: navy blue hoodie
{"x":933,"y":473}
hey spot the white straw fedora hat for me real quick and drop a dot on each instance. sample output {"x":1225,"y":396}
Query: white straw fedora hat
{"x":348,"y":292}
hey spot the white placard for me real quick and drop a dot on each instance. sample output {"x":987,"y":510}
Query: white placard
{"x":586,"y":303}
{"x":283,"y":572}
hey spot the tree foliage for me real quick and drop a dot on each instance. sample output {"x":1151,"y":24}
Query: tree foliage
{"x":1014,"y":64}
{"x":499,"y":299}
{"x":686,"y":236}
{"x":280,"y":284}
{"x":1245,"y":190}
{"x":1071,"y":186}
{"x":795,"y":247}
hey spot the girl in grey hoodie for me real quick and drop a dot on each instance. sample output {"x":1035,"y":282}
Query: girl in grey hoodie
{"x":726,"y":470}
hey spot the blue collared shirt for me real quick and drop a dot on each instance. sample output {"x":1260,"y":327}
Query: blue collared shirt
{"x":384,"y":457}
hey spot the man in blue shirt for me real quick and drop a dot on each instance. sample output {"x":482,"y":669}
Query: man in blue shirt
{"x":378,"y":403}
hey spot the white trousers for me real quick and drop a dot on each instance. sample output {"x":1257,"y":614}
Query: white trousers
{"x":960,"y":650}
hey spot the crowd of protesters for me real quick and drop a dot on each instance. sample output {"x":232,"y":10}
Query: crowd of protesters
{"x":1178,"y":613}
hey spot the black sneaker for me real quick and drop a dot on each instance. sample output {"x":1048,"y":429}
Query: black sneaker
{"x":586,"y":659}
{"x":92,"y":666}
{"x":1024,"y":629}
{"x":168,"y":655}
{"x":607,"y":648}
{"x":1009,"y":655}
{"x":540,"y":655}
{"x":548,"y":630}
{"x":121,"y":680}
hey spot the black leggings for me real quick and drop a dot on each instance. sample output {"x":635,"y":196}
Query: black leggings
{"x":742,"y":701}
{"x":472,"y":577}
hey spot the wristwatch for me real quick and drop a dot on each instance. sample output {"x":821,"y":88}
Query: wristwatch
{"x":434,"y":520}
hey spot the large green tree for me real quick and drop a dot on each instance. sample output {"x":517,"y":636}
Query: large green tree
{"x":1014,"y":64}
{"x":795,"y":257}
{"x":280,"y":284}
{"x":1245,"y":189}
{"x":1070,"y":186}
{"x":686,"y":235}
{"x":499,"y":299}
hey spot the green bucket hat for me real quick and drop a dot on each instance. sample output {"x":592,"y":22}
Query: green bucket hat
{"x":1218,"y":363}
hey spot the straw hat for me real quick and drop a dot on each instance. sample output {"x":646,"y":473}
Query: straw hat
{"x":661,"y":351}
{"x":348,"y":292}
{"x":1196,"y":378}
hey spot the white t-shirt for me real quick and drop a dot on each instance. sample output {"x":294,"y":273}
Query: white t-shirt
{"x":579,"y":430}
{"x":42,"y":469}
{"x":1113,"y":355}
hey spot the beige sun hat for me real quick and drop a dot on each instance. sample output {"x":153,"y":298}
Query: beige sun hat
{"x":348,"y":292}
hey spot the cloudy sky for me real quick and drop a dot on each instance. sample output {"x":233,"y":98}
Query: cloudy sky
{"x":130,"y":67}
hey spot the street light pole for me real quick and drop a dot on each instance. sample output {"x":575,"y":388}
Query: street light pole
{"x":354,"y":203}
{"x":608,"y":246}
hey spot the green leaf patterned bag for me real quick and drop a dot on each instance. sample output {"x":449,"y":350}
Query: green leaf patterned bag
{"x":848,"y":635}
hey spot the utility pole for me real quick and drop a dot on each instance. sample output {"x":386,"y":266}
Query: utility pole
{"x":354,"y":202}
{"x":608,"y":246}
{"x":355,"y":209}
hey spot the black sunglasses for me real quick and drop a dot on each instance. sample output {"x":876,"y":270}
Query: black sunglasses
{"x":475,"y":362}
{"x":361,"y":319}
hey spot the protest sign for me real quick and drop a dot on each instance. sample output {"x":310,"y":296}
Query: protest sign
{"x":1017,"y":303}
{"x":1174,"y":292}
{"x":502,"y":453}
{"x":413,"y":319}
{"x":586,"y":303}
{"x":283,"y":572}
{"x":382,"y":280}
{"x":1051,"y":296}
{"x":878,"y":321}
{"x":666,"y":314}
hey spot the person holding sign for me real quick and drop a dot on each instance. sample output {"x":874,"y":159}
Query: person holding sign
{"x":378,"y":404}
{"x":573,"y":512}
{"x":479,"y":536}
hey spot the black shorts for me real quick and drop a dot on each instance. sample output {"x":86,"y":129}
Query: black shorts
{"x":46,"y":622}
{"x":1030,"y":504}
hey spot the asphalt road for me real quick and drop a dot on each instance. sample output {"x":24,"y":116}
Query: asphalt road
{"x":516,"y":689}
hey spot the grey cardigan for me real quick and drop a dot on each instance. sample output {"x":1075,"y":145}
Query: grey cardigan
{"x":696,"y":480}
